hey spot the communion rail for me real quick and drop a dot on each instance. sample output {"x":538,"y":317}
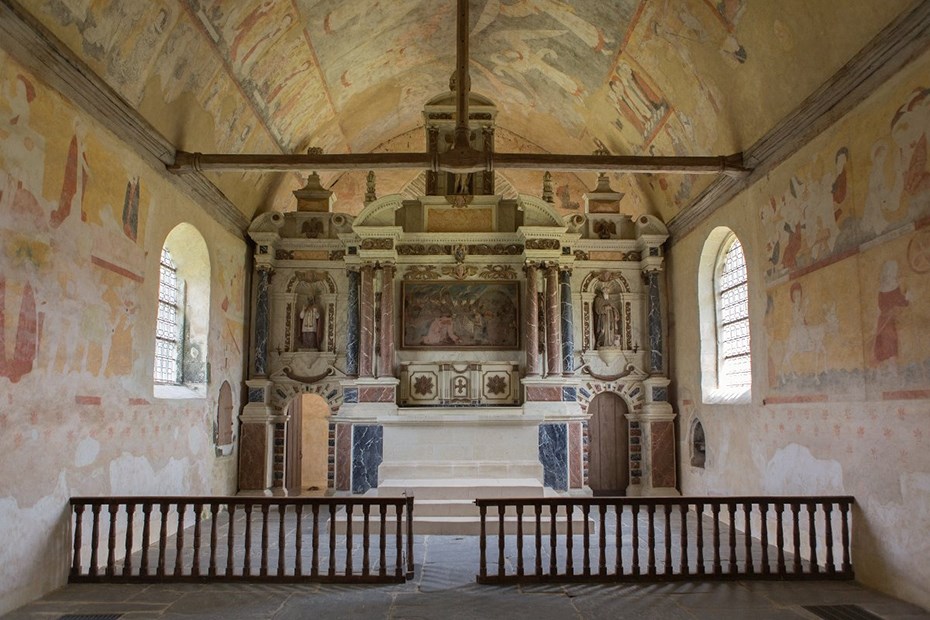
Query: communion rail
{"x":632,"y":538}
{"x":214,"y":539}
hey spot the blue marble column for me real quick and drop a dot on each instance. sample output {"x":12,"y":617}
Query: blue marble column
{"x":553,"y":454}
{"x":655,"y":324}
{"x":262,"y":312}
{"x":352,"y":326}
{"x":568,"y":336}
{"x":367,"y":451}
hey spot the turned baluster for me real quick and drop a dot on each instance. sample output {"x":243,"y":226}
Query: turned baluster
{"x":747,"y":516}
{"x":298,"y":539}
{"x":366,"y":532}
{"x":214,"y":513}
{"x":764,"y":538}
{"x":230,"y":539}
{"x":500,"y":540}
{"x":94,"y":538}
{"x":146,"y":537}
{"x":78,"y":535}
{"x":111,"y":540}
{"x":127,"y":558}
{"x":683,"y":514}
{"x":636,"y":570}
{"x":281,"y":542}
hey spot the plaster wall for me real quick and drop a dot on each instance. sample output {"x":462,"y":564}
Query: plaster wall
{"x":836,"y":245}
{"x":82,"y":223}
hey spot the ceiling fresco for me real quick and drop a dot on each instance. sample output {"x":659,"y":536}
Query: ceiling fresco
{"x":660,"y":77}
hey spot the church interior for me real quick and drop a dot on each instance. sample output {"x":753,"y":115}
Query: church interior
{"x":626,"y":247}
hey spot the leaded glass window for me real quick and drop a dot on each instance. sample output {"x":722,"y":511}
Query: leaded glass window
{"x":167,"y":329}
{"x":733,"y":359}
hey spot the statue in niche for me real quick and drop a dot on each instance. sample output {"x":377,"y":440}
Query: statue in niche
{"x":606,"y":321}
{"x":310,"y":326}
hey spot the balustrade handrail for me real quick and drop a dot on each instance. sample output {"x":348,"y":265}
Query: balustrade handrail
{"x":227,"y":553}
{"x":691,"y":556}
{"x":689,"y":500}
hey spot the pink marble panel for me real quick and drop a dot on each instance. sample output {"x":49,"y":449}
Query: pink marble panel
{"x":386,"y":362}
{"x":343,"y":457}
{"x":376,"y":395}
{"x":252,"y":444}
{"x":532,"y":322}
{"x":663,"y":454}
{"x":575,"y":473}
{"x":547,"y":394}
{"x":367,"y":326}
{"x":553,"y":322}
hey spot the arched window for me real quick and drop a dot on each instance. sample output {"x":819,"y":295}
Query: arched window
{"x":732,"y":293}
{"x":167,"y":330}
{"x":180,"y":363}
{"x":723,"y":297}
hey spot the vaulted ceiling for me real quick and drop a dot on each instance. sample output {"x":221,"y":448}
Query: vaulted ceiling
{"x":660,"y":77}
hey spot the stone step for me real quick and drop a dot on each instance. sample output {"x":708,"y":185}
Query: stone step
{"x":461,"y":488}
{"x":468,"y":525}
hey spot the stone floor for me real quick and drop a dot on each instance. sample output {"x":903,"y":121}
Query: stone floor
{"x":444,"y":587}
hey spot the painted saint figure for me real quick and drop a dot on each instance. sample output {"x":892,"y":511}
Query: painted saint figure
{"x":890,"y":301}
{"x":606,"y":321}
{"x":309,"y":326}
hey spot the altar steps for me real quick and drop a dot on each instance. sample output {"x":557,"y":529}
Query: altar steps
{"x":446,"y":507}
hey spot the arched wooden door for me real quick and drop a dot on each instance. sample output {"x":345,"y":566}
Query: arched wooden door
{"x":608,"y":445}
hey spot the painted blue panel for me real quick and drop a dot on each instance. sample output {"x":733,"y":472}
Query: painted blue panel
{"x":553,"y":454}
{"x":256,"y":395}
{"x":367,"y":444}
{"x":568,"y":331}
{"x":262,"y":311}
{"x":350,"y":395}
{"x":569,"y":394}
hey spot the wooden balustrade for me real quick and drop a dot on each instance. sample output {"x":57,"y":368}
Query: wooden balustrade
{"x":214,"y":538}
{"x":718,"y":538}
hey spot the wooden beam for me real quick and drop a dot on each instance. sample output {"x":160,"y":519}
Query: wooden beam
{"x":633,"y":164}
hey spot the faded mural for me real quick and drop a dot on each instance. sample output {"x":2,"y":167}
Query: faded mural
{"x":82,"y":220}
{"x":851,"y":222}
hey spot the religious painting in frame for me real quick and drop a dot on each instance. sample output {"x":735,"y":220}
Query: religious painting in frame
{"x":460,"y":315}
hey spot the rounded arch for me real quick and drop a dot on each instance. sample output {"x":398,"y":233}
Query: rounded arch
{"x":611,"y":278}
{"x":183,"y":322}
{"x":715,"y":385}
{"x":697,"y":443}
{"x":224,"y":430}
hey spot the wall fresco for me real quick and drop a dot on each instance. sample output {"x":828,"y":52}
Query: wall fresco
{"x":82,"y":221}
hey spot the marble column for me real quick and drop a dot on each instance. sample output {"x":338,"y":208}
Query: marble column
{"x":352,"y":325}
{"x":386,"y":363}
{"x":553,"y":322}
{"x":568,"y":337}
{"x":262,"y":314}
{"x":532,"y":322}
{"x":655,"y":323}
{"x":367,"y":331}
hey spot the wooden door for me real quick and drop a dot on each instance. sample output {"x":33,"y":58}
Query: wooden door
{"x":608,"y":445}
